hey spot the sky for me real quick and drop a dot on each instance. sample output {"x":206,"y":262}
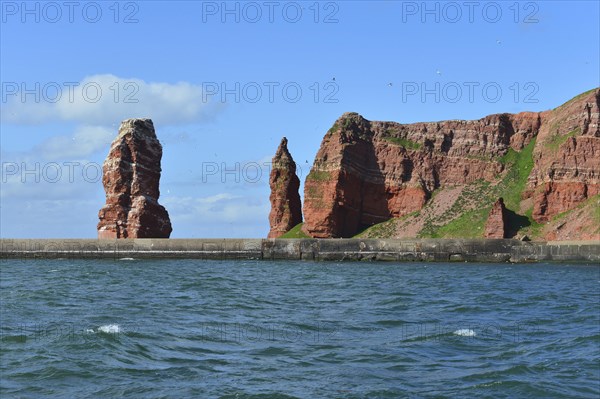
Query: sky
{"x":225,"y":81}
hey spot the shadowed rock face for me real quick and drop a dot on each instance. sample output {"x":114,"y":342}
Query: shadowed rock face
{"x":496,"y":224}
{"x":286,"y":208}
{"x":131,"y":175}
{"x":366,"y":172}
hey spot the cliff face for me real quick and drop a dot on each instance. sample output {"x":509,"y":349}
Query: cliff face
{"x":567,"y":158}
{"x":131,"y":175}
{"x":366,"y":172}
{"x":286,"y":208}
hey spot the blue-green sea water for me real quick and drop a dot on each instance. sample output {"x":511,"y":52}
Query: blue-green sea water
{"x":260,"y":329}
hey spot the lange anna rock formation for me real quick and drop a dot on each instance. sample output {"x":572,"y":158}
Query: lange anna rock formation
{"x":440,"y":179}
{"x":131,"y":175}
{"x":286,"y":208}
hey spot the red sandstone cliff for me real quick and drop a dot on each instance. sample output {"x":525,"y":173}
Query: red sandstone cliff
{"x":286,"y":208}
{"x":567,"y":157}
{"x":496,"y":224}
{"x":131,"y":175}
{"x":366,"y":172}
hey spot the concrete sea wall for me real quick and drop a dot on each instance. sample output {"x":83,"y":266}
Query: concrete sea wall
{"x":429,"y":250}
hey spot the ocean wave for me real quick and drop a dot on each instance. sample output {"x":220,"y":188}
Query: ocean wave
{"x":107,"y":329}
{"x":465,"y":332}
{"x":110,"y":328}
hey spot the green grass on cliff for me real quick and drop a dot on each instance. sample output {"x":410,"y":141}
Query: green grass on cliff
{"x":557,"y":140}
{"x":333,"y":129}
{"x":592,"y":202}
{"x":479,"y":196}
{"x":385,"y":229}
{"x":406,"y":143}
{"x":519,"y":166}
{"x":295,"y":232}
{"x":469,"y":224}
{"x":319,"y":175}
{"x":535,"y":231}
{"x":596,"y":213}
{"x":466,"y":217}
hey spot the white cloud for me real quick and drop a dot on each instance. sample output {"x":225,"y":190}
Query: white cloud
{"x":59,"y":167}
{"x":219,"y":208}
{"x":86,"y":140}
{"x":106,"y":99}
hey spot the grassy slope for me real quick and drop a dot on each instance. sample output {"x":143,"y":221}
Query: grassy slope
{"x":385,"y":229}
{"x":467,"y":216}
{"x":471,"y":223}
{"x":295,"y":232}
{"x":590,"y":209}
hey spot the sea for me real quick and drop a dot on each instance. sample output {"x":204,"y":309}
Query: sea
{"x":127,"y":328}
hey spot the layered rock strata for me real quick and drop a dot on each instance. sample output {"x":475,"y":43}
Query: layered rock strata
{"x":496,"y":224}
{"x":366,"y":172}
{"x":286,"y":208}
{"x":131,"y":176}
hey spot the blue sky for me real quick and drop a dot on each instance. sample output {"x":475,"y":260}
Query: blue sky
{"x":224,"y":81}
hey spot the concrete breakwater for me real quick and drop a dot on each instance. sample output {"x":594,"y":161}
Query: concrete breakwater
{"x":428,"y":250}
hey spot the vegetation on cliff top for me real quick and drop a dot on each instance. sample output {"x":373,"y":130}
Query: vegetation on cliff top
{"x":577,"y":97}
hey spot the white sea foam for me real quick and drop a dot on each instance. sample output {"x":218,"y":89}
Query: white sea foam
{"x":109,"y":328}
{"x":126,"y":259}
{"x":465,"y":332}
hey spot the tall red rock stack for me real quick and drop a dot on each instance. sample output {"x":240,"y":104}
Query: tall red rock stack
{"x":286,"y":208}
{"x":367,"y":172}
{"x":496,"y":224}
{"x":131,"y":175}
